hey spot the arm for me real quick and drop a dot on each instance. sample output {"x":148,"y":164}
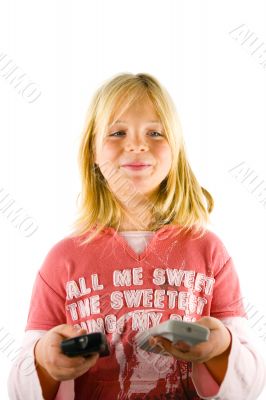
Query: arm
{"x":217,"y":366}
{"x":24,"y":380}
{"x":52,"y":389}
{"x":47,"y":310}
{"x":48,"y":384}
{"x":245,"y":376}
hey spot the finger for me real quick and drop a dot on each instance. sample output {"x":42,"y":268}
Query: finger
{"x":82,"y":332}
{"x":209,"y":322}
{"x":67,"y":331}
{"x":79,"y":332}
{"x":62,"y":373}
{"x":171,"y":349}
{"x":164,"y":345}
{"x":71,"y":363}
{"x":180,"y":345}
{"x":62,"y":360}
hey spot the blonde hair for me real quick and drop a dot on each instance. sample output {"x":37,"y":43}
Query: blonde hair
{"x":180,"y":200}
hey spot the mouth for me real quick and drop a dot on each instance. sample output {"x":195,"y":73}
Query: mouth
{"x":136,"y":167}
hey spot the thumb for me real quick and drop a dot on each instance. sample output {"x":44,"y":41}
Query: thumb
{"x":77,"y":331}
{"x":211,"y":322}
{"x":69,"y":331}
{"x":207,"y":322}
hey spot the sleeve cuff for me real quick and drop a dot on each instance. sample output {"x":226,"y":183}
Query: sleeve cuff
{"x":66,"y":390}
{"x":205,"y":384}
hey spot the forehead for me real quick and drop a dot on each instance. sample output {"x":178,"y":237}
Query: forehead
{"x":143,"y":111}
{"x":125,"y":122}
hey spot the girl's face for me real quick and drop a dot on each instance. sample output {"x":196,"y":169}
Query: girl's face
{"x":135,"y":139}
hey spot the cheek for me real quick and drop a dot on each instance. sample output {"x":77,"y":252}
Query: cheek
{"x":109,"y":152}
{"x":164,"y":154}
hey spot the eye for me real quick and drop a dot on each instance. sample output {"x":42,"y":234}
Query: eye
{"x":157,"y":132}
{"x":114,"y":134}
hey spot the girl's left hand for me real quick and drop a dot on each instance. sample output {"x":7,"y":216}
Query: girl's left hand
{"x":219,"y":341}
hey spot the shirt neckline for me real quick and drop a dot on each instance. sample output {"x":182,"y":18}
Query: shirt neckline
{"x":158,"y":235}
{"x":159,"y":231}
{"x":135,"y":232}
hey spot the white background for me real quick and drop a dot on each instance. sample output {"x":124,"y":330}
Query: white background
{"x":68,"y":49}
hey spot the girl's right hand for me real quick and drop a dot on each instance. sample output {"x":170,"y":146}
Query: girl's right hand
{"x":48,"y":354}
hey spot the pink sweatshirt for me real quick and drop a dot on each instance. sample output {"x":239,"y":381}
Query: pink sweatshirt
{"x":131,"y":278}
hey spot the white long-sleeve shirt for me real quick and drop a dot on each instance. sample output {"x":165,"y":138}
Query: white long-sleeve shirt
{"x":244,"y":380}
{"x":245,"y":377}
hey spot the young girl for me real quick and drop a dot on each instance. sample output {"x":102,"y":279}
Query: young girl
{"x":140,"y":254}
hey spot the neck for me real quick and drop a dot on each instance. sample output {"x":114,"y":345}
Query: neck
{"x":135,"y":222}
{"x":129,"y":225}
{"x":136,"y":214}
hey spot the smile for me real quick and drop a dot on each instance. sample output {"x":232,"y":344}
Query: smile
{"x":136,"y":167}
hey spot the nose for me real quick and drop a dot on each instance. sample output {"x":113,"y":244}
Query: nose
{"x":136,"y":145}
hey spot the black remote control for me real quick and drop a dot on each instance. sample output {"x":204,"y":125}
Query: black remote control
{"x":85,"y":345}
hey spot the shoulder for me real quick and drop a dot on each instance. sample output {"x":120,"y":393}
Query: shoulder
{"x":212,"y":239}
{"x":62,"y":246}
{"x":211,"y":246}
{"x":208,"y":239}
{"x":64,"y":249}
{"x":218,"y":254}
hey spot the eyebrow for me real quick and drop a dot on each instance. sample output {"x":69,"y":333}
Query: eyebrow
{"x":148,"y":122}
